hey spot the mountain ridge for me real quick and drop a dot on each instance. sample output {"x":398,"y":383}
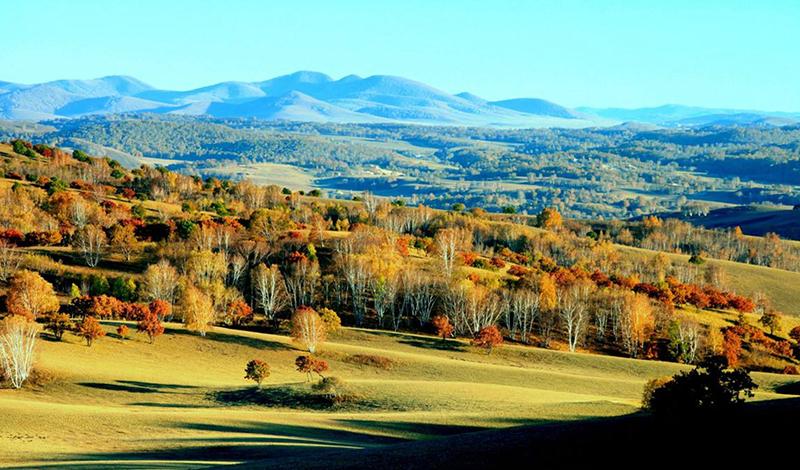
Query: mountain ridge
{"x":316,"y":97}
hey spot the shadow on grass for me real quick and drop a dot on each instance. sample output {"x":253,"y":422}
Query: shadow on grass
{"x":240,"y":442}
{"x":167,"y":405}
{"x":792,"y":388}
{"x":132,"y":386}
{"x":256,"y":343}
{"x":437,"y":344}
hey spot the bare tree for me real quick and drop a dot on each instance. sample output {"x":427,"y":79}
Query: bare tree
{"x":271,"y":295}
{"x":448,"y":243}
{"x":237,"y":266}
{"x":421,"y":291}
{"x":91,"y":241}
{"x":160,"y":282}
{"x":17,"y":342}
{"x":10,"y":260}
{"x":384,"y":294}
{"x":523,"y":311}
{"x":301,"y":279}
{"x":477,"y":307}
{"x":572,"y":306}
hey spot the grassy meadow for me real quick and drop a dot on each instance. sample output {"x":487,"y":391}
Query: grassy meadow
{"x":183,"y":402}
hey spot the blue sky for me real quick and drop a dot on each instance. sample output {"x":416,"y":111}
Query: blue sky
{"x":741,"y":54}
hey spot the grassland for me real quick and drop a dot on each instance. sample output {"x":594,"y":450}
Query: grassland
{"x":182,"y":401}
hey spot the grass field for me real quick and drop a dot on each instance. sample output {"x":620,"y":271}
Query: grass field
{"x":183,"y":402}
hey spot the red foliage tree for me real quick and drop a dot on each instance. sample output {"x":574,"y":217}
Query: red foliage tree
{"x":488,"y":338}
{"x":731,"y":347}
{"x":238,"y":313}
{"x":90,"y":330}
{"x":443,"y":326}
{"x":150,"y":325}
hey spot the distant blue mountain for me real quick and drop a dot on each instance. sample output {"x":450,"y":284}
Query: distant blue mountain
{"x":679,"y":115}
{"x":314,"y":96}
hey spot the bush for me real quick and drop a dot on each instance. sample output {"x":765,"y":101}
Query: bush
{"x":707,"y":388}
{"x":330,"y":319}
{"x":370,"y":360}
{"x":650,"y":387}
{"x":329,"y":386}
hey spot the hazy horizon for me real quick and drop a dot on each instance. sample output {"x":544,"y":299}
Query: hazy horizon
{"x":599,"y":54}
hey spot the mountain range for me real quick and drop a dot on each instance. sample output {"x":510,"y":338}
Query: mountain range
{"x":316,"y":97}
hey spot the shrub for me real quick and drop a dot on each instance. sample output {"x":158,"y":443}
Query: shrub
{"x":707,"y":388}
{"x":257,"y":370}
{"x":370,"y":360}
{"x":790,"y":370}
{"x":123,"y":331}
{"x":650,"y":387}
{"x":329,"y":386}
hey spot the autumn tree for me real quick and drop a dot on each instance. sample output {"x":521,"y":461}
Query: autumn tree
{"x":443,"y":327}
{"x":150,"y":325}
{"x":160,"y":308}
{"x":124,"y":241}
{"x":488,"y":338}
{"x":198,"y":310}
{"x":330,"y":319}
{"x":123,"y":331}
{"x":17,"y":342}
{"x":57,"y":324}
{"x":270,"y":293}
{"x":257,"y":370}
{"x":548,"y":306}
{"x":731,"y":347}
{"x":771,"y":319}
{"x":549,"y":218}
{"x":90,"y":330}
{"x":238,"y":313}
{"x":30,"y":295}
{"x":308,"y":365}
{"x":636,"y":322}
{"x":308,"y":328}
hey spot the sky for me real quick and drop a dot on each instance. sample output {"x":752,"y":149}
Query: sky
{"x":732,"y":54}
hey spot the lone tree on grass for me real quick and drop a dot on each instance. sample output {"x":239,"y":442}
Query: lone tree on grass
{"x":17,"y":342}
{"x":488,"y":338}
{"x":123,"y":331}
{"x":57,"y":324}
{"x":308,"y":328}
{"x":90,"y":330}
{"x":443,"y":326}
{"x":257,"y":370}
{"x":150,"y":325}
{"x":310,"y":365}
